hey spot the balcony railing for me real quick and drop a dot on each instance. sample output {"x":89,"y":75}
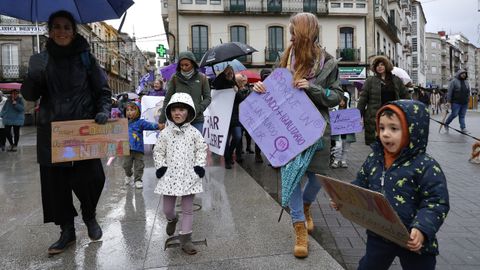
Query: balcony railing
{"x":277,"y":6}
{"x":12,"y":72}
{"x":271,"y":55}
{"x":348,"y":54}
{"x":245,"y":59}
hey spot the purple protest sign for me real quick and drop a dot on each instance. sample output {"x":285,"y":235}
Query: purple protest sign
{"x":345,"y":121}
{"x":168,"y":71}
{"x":283,"y":121}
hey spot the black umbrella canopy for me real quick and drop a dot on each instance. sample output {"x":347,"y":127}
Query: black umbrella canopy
{"x":225,"y":52}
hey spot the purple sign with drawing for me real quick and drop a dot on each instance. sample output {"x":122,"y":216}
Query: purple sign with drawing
{"x":345,"y":121}
{"x":283,"y":121}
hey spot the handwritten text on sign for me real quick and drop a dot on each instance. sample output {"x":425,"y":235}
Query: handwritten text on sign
{"x":283,"y":121}
{"x":84,"y":139}
{"x":367,"y":208}
{"x":345,"y":121}
{"x":217,"y":120}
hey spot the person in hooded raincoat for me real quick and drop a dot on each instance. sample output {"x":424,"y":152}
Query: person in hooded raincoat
{"x":457,"y":98}
{"x":188,"y":80}
{"x":180,"y":156}
{"x":412,"y":182}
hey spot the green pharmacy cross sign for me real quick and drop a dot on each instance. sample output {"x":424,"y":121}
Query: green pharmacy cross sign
{"x":161,"y":51}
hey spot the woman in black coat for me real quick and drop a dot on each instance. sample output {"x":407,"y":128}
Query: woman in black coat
{"x":71,"y":86}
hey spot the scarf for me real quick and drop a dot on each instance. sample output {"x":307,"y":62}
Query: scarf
{"x":187,"y":74}
{"x":78,"y":45}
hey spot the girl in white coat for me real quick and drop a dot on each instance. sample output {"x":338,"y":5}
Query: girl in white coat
{"x":180,"y":156}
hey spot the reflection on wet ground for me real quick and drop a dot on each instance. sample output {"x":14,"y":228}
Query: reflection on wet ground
{"x":234,"y":214}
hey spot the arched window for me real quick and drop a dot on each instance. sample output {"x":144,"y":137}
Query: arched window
{"x":10,"y":67}
{"x":239,"y":33}
{"x":199,"y":41}
{"x":346,"y":37}
{"x":275,"y":43}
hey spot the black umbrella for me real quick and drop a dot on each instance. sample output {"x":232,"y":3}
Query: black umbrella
{"x":225,"y":52}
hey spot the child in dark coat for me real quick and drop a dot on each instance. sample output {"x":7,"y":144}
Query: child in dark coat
{"x":411,"y":180}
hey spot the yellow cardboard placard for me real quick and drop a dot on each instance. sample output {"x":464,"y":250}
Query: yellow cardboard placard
{"x":367,"y":208}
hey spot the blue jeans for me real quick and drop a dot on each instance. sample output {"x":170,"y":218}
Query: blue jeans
{"x":309,"y":194}
{"x":461,"y":111}
{"x":199,"y":126}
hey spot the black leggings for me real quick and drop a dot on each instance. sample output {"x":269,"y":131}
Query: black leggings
{"x":16,"y":134}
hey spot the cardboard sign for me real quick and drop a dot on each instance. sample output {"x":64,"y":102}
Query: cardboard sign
{"x":84,"y":139}
{"x":151,"y":108}
{"x":283,"y":121}
{"x":345,"y":121}
{"x":217,"y":120}
{"x":367,"y":208}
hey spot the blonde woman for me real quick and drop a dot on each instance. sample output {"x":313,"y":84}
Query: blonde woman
{"x":316,"y":73}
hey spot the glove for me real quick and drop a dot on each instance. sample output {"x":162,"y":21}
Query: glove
{"x":101,"y":118}
{"x":200,"y":171}
{"x":161,"y":172}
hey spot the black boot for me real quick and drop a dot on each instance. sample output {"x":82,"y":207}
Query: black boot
{"x":67,"y":237}
{"x":94,"y":230}
{"x":171,"y":226}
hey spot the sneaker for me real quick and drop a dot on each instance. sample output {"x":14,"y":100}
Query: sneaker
{"x":343,"y":164}
{"x":335,"y":164}
{"x":464,"y":130}
{"x":128,"y":179}
{"x":138,"y":184}
{"x":446,"y":128}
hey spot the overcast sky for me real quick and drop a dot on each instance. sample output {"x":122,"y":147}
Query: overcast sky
{"x":452,"y":16}
{"x":145,"y":17}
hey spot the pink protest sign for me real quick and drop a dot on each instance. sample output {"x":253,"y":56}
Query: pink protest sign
{"x":283,"y":121}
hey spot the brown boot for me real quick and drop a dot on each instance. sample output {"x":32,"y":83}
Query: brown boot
{"x":186,"y":244}
{"x":301,"y":240}
{"x":308,"y":217}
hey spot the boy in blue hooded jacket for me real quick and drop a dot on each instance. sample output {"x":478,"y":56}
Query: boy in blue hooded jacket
{"x":136,"y":126}
{"x":411,"y":180}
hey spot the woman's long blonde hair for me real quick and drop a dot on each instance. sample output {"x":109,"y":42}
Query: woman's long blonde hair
{"x":306,"y":48}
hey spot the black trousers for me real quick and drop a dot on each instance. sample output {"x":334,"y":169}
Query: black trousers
{"x":85,"y":178}
{"x":3,"y":139}
{"x":16,"y":134}
{"x":380,"y":255}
